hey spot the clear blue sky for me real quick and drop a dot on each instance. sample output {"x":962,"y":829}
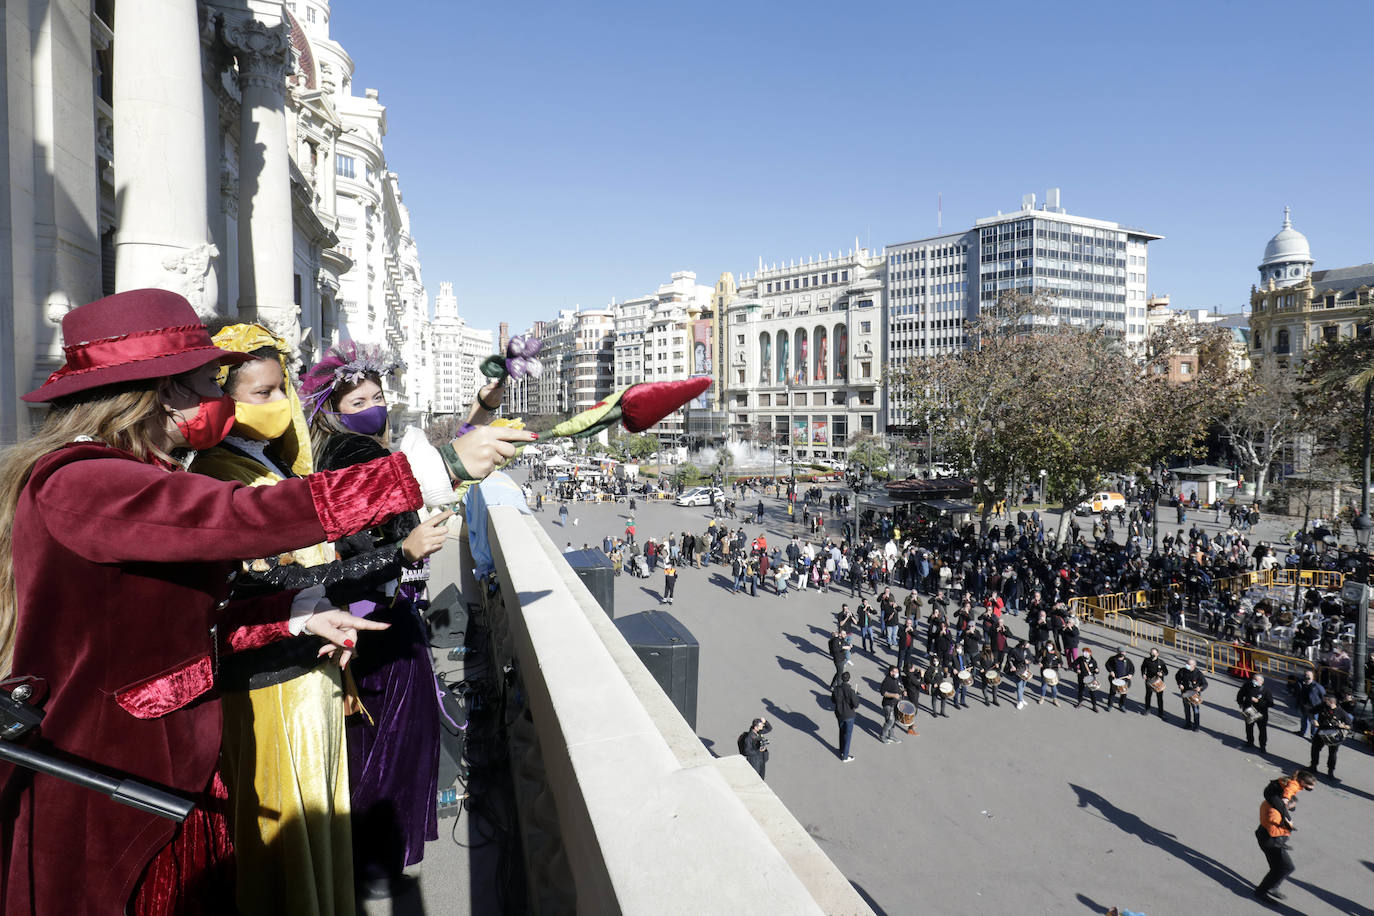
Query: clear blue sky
{"x":556,"y":154}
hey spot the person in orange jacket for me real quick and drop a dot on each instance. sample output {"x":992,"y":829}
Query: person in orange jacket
{"x":1276,"y":828}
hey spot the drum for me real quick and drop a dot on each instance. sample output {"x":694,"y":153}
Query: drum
{"x":1050,"y":676}
{"x":1023,"y":674}
{"x":1329,"y":737}
{"x":992,"y":676}
{"x":1193,"y":696}
{"x":947,"y":687}
{"x":1250,"y":714}
{"x":1157,"y":685}
{"x":906,"y":713}
{"x":965,"y":675}
{"x":1120,"y":684}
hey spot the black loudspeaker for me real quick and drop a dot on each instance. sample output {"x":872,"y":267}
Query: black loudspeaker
{"x":448,"y":619}
{"x":596,"y":572}
{"x":670,"y":652}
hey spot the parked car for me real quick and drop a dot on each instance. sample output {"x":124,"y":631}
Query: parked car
{"x":1105,"y":501}
{"x":940,"y":471}
{"x":700,"y":496}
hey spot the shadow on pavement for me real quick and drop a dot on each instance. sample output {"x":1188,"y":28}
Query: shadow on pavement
{"x":1168,"y":842}
{"x":795,"y":720}
{"x":651,"y":592}
{"x":867,"y":899}
{"x":788,"y":664}
{"x":1335,"y":901}
{"x":805,"y":645}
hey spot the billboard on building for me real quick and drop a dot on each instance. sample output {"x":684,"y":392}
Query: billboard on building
{"x":799,"y":431}
{"x":820,"y":433}
{"x":703,"y":359}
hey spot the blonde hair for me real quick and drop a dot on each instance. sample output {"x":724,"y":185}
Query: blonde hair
{"x":119,"y":416}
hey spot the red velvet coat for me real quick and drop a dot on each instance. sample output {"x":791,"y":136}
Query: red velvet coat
{"x":121,"y":571}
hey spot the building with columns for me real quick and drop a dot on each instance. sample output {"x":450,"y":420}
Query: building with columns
{"x":1294,"y":308}
{"x":806,"y":344}
{"x":126,"y":165}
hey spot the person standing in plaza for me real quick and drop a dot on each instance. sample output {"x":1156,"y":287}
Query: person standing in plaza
{"x":906,"y":641}
{"x":669,"y":581}
{"x":1190,"y":679}
{"x":846,"y":708}
{"x":1275,"y":830}
{"x":1308,"y":696}
{"x":892,"y":692}
{"x":839,"y":654}
{"x":1254,"y":695}
{"x":1086,"y":669}
{"x":754,"y":746}
{"x":1331,"y":723}
{"x":911,"y":685}
{"x":1050,"y":664}
{"x":1119,"y":667}
{"x":1018,"y":662}
{"x":989,"y":676}
{"x":864,"y":620}
{"x":1153,"y":670}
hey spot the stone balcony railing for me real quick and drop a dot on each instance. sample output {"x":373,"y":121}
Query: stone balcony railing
{"x":621,"y":807}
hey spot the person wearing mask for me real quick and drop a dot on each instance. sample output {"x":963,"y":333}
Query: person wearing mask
{"x":892,"y":692}
{"x":1332,"y":725}
{"x":669,"y":581}
{"x":1051,"y":663}
{"x":1153,"y":670}
{"x":393,"y":737}
{"x":1309,"y":696}
{"x":1018,"y":662}
{"x":1119,"y":667}
{"x":116,"y":571}
{"x":1275,"y":830}
{"x":1254,"y":701}
{"x":1191,"y":684}
{"x":1086,"y":669}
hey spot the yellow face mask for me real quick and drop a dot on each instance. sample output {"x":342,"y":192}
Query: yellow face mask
{"x":262,"y":421}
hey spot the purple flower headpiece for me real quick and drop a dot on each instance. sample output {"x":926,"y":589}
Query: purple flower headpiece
{"x":349,"y":362}
{"x":521,"y":359}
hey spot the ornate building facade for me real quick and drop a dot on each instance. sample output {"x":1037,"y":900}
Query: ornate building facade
{"x":214,"y":148}
{"x":1294,"y":308}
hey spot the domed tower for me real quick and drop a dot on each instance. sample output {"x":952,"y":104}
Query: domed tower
{"x":1287,"y":257}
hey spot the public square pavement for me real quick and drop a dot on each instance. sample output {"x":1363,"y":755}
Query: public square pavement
{"x":1043,"y":810}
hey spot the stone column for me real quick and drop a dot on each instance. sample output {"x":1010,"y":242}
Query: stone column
{"x":162,"y":236}
{"x":265,"y":237}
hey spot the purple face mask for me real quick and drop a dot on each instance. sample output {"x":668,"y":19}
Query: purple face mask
{"x":369,"y":422}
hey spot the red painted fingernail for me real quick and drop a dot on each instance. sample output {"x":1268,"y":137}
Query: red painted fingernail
{"x":535,"y":435}
{"x":348,"y":643}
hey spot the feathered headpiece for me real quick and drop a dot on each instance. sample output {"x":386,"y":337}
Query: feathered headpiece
{"x":349,"y":362}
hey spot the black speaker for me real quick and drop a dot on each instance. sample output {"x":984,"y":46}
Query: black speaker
{"x":670,"y":652}
{"x":596,"y":572}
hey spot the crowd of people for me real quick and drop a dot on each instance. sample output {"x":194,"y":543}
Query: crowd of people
{"x":290,"y":697}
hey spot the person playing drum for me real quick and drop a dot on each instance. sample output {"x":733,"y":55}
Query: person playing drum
{"x":1086,"y":668}
{"x":963,"y":676}
{"x":1333,"y":724}
{"x":1191,"y":684}
{"x":911,"y":683}
{"x":1051,"y":663}
{"x":990,"y":675}
{"x":1018,"y":666}
{"x":935,"y":675}
{"x":1254,"y":700}
{"x":1153,"y":670}
{"x":892,"y":693}
{"x":1120,"y":670}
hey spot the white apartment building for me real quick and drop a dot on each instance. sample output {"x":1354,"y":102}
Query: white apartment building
{"x":667,"y":335}
{"x":458,"y":352}
{"x":805,"y":353}
{"x":578,"y":357}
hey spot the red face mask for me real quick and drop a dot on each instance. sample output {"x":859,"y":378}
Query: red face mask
{"x":211,"y":423}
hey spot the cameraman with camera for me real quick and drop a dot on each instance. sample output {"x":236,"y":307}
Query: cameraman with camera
{"x":754,"y":746}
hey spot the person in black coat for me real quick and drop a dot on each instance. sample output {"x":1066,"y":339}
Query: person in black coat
{"x":1119,"y":666}
{"x":1086,"y":668}
{"x":846,"y":708}
{"x":1152,"y":668}
{"x":911,"y":685}
{"x":837,"y":655}
{"x":935,"y":673}
{"x":755,"y":745}
{"x":1329,"y":720}
{"x":1253,"y":694}
{"x":1189,"y":678}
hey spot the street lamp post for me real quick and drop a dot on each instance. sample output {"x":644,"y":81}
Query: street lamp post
{"x":1363,"y":525}
{"x":791,"y":428}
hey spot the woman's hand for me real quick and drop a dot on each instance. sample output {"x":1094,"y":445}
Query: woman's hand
{"x":340,"y":630}
{"x":482,"y":449}
{"x":426,"y":539}
{"x":491,"y":393}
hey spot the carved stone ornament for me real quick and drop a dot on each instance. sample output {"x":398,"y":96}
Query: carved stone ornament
{"x":56,"y":307}
{"x":263,"y":52}
{"x":193,"y":266}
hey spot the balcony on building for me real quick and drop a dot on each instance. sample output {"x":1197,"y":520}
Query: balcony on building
{"x":620,"y":807}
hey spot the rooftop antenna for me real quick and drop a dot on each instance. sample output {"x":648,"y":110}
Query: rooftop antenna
{"x":939,"y":210}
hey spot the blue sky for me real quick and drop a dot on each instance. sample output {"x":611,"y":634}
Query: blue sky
{"x":555,"y":155}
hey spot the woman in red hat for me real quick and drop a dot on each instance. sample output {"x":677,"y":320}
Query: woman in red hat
{"x":115,"y":571}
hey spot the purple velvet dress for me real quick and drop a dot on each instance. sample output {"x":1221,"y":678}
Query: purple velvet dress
{"x":393,"y":758}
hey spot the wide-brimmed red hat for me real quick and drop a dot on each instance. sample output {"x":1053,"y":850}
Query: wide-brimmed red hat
{"x":130,"y":336}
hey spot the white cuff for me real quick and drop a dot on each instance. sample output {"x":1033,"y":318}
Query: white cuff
{"x":428,"y":467}
{"x":306,"y":602}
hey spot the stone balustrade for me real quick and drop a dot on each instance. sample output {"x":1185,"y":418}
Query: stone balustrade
{"x":622,"y":809}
